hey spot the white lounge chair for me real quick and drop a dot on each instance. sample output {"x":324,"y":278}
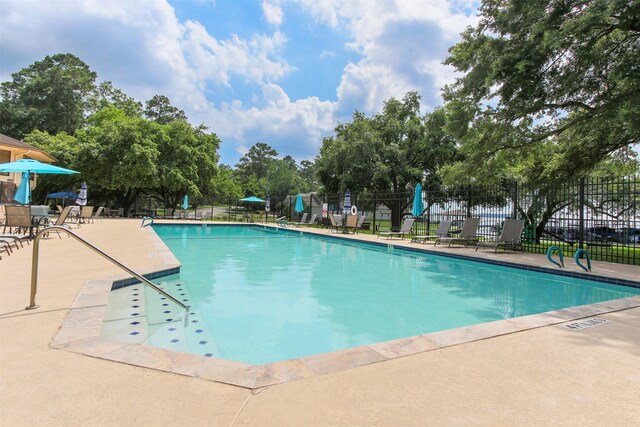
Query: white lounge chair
{"x":404,"y":229}
{"x":467,"y":236}
{"x":442,"y":231}
{"x":510,"y":237}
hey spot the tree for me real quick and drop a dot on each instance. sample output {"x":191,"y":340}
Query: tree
{"x":119,"y":154}
{"x":186,"y":163}
{"x":252,"y":169}
{"x":65,"y":150}
{"x":536,"y":70}
{"x":106,"y":95}
{"x":160,"y":110}
{"x":387,"y":153}
{"x":50,"y":95}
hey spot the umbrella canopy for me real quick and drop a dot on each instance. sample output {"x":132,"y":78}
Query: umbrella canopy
{"x":299,"y":206}
{"x":23,"y":193}
{"x":30,"y":165}
{"x":417,"y":201}
{"x":62,"y":195}
{"x":252,"y":199}
{"x":82,"y":195}
{"x":185,"y":202}
{"x":346,"y":208}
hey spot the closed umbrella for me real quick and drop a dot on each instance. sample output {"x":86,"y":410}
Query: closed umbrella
{"x":23,"y":193}
{"x":347,"y":202}
{"x":267,"y":208}
{"x":185,"y":202}
{"x":82,"y":195}
{"x":417,"y":201}
{"x":299,"y":205}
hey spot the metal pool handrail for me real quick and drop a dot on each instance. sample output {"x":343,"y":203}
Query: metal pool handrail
{"x":34,"y":268}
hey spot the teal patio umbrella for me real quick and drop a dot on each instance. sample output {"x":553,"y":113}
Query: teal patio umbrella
{"x":23,"y":193}
{"x":417,"y":201}
{"x":185,"y":202}
{"x":34,"y":166}
{"x":299,"y":205}
{"x":253,"y":199}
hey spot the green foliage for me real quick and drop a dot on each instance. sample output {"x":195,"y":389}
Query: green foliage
{"x":50,"y":95}
{"x":387,"y":153}
{"x":535,"y":70}
{"x":160,"y":110}
{"x":106,"y":95}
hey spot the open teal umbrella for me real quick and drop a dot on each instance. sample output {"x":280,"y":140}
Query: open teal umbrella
{"x":23,"y":193}
{"x":34,"y":166}
{"x":417,"y":201}
{"x":299,"y":206}
{"x":252,"y":199}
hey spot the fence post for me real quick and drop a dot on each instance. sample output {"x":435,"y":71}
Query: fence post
{"x":468,"y":201}
{"x":375,"y":204}
{"x":581,"y":204}
{"x":514,"y":214}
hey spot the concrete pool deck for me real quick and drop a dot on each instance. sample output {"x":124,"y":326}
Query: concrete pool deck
{"x":537,"y":376}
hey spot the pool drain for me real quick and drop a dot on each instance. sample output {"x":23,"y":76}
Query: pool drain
{"x":584,"y":324}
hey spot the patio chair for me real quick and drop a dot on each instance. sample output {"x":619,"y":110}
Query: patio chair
{"x":510,"y":237}
{"x":407,"y":224}
{"x":63,"y":221}
{"x":468,"y":235}
{"x":442,"y":231}
{"x":360,"y":222}
{"x":97,"y":214}
{"x":85,"y":214}
{"x":303,"y":220}
{"x":18,"y":221}
{"x":313,"y":219}
{"x":336,"y":222}
{"x":351,"y":224}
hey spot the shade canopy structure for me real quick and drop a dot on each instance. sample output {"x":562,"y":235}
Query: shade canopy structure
{"x":23,"y":193}
{"x":299,"y":205}
{"x":253,"y":199}
{"x":62,"y":195}
{"x":346,"y":207}
{"x":34,"y":166}
{"x":185,"y":202}
{"x":417,"y":201}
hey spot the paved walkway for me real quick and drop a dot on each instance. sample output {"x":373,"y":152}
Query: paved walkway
{"x":544,"y":376}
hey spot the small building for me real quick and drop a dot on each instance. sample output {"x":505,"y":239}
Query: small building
{"x":12,"y":149}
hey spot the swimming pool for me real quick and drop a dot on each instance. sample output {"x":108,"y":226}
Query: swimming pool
{"x":261,"y":295}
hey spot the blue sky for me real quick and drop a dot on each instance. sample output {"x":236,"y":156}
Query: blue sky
{"x":282,"y":72}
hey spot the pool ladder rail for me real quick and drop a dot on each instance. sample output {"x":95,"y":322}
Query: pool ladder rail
{"x":560,"y":263}
{"x":141,"y":278}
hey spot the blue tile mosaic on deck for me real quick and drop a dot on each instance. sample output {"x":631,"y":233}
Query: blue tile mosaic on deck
{"x":155,"y":328}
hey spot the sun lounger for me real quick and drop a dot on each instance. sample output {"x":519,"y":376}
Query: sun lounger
{"x":351,"y":224}
{"x":442,"y":231}
{"x":303,"y":220}
{"x":282,"y":221}
{"x":468,"y":235}
{"x":404,"y":229}
{"x":336,"y":222}
{"x":510,"y":237}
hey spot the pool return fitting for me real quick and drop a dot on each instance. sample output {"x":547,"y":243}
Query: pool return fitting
{"x":561,"y":257}
{"x":140,"y":277}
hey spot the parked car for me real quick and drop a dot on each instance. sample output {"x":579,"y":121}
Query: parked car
{"x":628,"y":235}
{"x":600,"y":233}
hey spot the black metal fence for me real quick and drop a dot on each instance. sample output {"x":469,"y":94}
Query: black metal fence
{"x":599,"y":215}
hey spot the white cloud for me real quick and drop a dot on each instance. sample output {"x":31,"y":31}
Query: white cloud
{"x":145,"y":50}
{"x":272,"y":12}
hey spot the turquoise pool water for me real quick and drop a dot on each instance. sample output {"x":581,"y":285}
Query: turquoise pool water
{"x":260,"y":295}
